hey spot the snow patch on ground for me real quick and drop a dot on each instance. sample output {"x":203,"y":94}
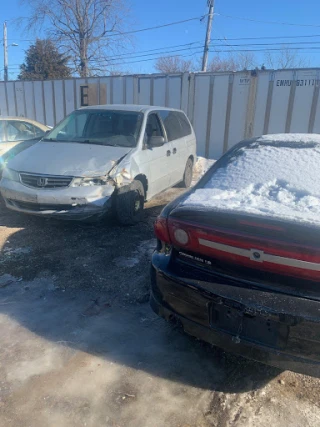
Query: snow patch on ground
{"x":124,"y":262}
{"x":16,"y":251}
{"x":275,"y":181}
{"x":145,"y":249}
{"x":201,"y":167}
{"x":6,"y":279}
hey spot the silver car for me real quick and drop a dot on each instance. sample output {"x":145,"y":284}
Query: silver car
{"x":14,"y":130}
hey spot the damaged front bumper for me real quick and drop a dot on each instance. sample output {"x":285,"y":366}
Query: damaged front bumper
{"x":79,"y":203}
{"x":277,"y":329}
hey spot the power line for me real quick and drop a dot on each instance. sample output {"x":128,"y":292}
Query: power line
{"x":224,"y":39}
{"x":269,"y":44}
{"x":189,"y":46}
{"x":158,"y":55}
{"x":267,"y":49}
{"x":156,"y":51}
{"x":164,"y":47}
{"x":196,"y":18}
{"x":197,"y":52}
{"x":269,"y":37}
{"x":266,"y":22}
{"x":139,"y":56}
{"x":142,"y":60}
{"x":315,"y":48}
{"x":158,"y":26}
{"x":227,"y":40}
{"x":294,"y":46}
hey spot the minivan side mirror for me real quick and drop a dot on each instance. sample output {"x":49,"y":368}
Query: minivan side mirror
{"x":156,"y":141}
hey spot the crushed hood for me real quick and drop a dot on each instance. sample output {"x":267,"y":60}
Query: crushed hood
{"x":65,"y":158}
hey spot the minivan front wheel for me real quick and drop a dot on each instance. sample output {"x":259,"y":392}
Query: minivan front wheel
{"x":188,"y":173}
{"x":130,"y":203}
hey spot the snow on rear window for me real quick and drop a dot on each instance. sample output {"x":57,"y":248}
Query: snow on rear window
{"x":290,"y":137}
{"x":270,"y":180}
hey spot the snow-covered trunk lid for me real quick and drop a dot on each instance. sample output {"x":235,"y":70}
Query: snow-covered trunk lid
{"x":276,"y":179}
{"x":267,"y":251}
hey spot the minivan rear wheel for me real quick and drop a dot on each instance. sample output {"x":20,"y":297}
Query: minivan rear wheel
{"x":188,"y":173}
{"x":130,"y":203}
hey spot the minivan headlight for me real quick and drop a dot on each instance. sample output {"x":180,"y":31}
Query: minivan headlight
{"x":11,"y":174}
{"x":91,"y":181}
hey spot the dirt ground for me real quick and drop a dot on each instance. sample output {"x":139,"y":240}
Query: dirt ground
{"x":79,"y":345}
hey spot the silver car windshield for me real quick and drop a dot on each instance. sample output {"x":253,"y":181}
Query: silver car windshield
{"x":100,"y":127}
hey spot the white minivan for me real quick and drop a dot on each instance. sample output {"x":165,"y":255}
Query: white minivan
{"x":102,"y":157}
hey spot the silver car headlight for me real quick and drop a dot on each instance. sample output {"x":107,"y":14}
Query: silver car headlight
{"x":91,"y":181}
{"x":11,"y":174}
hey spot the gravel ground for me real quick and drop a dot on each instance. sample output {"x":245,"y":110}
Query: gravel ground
{"x":103,"y":258}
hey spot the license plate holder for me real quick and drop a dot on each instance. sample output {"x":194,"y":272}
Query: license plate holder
{"x":250,"y":326}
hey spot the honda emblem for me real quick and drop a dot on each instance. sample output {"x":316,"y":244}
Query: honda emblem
{"x":42,"y":182}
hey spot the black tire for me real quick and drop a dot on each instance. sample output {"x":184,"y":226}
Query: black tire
{"x":188,"y":173}
{"x":130,"y":203}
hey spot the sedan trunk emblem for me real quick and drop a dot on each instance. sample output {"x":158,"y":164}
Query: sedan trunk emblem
{"x":256,"y":255}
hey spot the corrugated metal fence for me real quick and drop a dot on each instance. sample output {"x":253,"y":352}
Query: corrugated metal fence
{"x":223,"y":107}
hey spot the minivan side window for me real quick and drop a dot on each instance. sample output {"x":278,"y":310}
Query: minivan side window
{"x":153,"y":127}
{"x":185,"y":125}
{"x":171,"y":124}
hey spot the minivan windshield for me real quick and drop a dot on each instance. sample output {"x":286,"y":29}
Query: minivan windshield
{"x":100,"y":127}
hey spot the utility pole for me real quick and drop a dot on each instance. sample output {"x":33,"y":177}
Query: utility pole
{"x":208,"y":36}
{"x":5,"y":51}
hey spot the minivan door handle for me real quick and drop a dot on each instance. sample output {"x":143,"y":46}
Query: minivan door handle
{"x":174,"y":151}
{"x":168,"y":153}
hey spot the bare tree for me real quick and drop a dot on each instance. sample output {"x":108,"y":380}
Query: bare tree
{"x":235,"y":62}
{"x":116,"y":72}
{"x":285,"y":58}
{"x":85,"y":29}
{"x":173,"y":64}
{"x":246,"y":61}
{"x":222,"y":64}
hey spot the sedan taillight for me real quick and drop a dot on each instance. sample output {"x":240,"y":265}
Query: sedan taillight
{"x":161,"y":230}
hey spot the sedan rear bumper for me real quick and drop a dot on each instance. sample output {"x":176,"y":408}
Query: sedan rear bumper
{"x":69,"y":203}
{"x":275,"y":329}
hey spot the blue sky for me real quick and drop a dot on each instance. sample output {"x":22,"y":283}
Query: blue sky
{"x":147,"y":13}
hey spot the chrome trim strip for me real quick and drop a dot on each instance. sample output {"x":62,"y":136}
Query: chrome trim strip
{"x":264,"y":257}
